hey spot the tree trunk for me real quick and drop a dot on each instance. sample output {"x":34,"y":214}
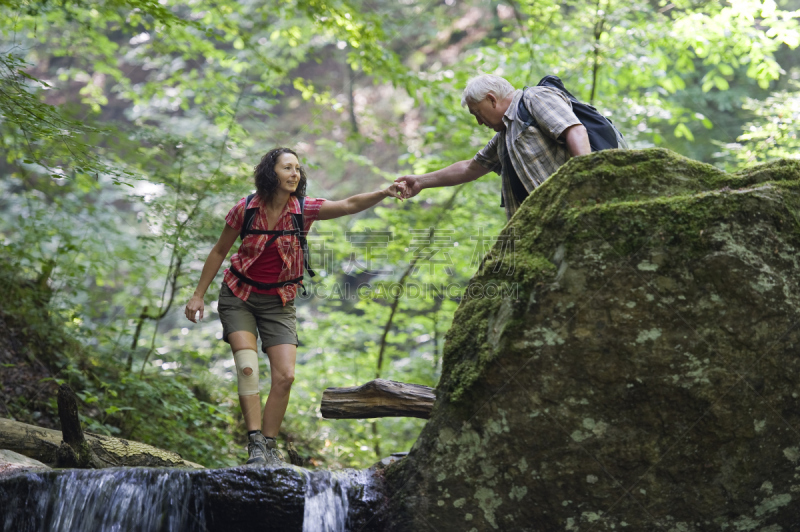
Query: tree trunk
{"x":73,"y":451}
{"x":378,"y":398}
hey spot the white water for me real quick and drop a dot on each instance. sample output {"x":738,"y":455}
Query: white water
{"x":108,"y":500}
{"x":156,"y":500}
{"x":114,"y":501}
{"x":327,"y":501}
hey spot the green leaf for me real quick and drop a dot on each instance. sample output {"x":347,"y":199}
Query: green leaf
{"x":725,"y":70}
{"x":721,"y":83}
{"x":682,"y":131}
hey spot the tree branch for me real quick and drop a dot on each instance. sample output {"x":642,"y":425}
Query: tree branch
{"x":598,"y":32}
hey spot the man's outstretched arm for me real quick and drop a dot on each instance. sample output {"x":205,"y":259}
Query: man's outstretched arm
{"x":455,"y":174}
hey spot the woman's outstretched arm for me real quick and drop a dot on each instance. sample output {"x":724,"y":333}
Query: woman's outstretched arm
{"x":359,"y":202}
{"x":215,"y":259}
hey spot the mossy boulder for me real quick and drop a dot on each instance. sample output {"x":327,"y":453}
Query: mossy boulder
{"x":636,"y":365}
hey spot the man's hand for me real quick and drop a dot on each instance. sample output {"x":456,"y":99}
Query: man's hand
{"x":412,"y":185}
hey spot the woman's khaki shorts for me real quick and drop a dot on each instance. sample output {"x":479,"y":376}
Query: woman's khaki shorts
{"x":263,"y":315}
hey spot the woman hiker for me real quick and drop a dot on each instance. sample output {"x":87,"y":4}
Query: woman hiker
{"x":258,"y":290}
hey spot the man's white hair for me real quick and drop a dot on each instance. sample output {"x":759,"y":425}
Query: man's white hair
{"x":478,"y":87}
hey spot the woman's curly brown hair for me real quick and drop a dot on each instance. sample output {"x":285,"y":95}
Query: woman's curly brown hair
{"x":267,"y":180}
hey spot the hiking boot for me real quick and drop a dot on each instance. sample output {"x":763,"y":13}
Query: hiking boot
{"x":273,"y":454}
{"x":263,"y":451}
{"x":257,"y":449}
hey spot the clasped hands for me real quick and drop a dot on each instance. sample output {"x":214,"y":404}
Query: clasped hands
{"x":404,"y":187}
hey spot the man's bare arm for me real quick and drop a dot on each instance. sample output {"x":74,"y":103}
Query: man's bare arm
{"x":455,"y":174}
{"x":577,"y":140}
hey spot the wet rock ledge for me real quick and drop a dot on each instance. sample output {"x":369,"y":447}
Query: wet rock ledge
{"x":282,"y":499}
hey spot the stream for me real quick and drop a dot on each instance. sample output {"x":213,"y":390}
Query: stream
{"x":176,"y":500}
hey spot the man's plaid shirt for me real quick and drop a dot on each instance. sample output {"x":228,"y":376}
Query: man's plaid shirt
{"x":535,"y":153}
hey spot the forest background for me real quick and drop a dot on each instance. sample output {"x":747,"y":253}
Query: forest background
{"x":129,"y":128}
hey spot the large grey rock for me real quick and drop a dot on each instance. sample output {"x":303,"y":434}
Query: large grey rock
{"x":647,"y":377}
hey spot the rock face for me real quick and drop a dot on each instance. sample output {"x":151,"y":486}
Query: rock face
{"x":638,"y":367}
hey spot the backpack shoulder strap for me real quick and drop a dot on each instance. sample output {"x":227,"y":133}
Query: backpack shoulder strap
{"x":297,"y":219}
{"x":522,"y":111}
{"x":249,"y":214}
{"x":554,"y":82}
{"x":299,"y":225}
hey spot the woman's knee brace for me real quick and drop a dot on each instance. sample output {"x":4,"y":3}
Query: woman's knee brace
{"x":247,"y":371}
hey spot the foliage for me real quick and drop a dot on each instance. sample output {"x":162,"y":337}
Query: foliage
{"x":179,"y":100}
{"x":38,"y":133}
{"x":190,"y":421}
{"x":663,"y":74}
{"x":774,"y":132}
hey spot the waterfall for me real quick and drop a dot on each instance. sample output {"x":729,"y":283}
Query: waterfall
{"x":285,"y":499}
{"x":107,"y":500}
{"x":326,"y":502}
{"x":335,"y":501}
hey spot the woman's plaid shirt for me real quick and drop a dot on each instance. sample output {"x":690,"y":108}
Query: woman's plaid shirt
{"x":535,"y":153}
{"x":253,"y":245}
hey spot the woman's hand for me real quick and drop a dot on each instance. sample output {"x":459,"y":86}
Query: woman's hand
{"x":193,"y":306}
{"x":396,"y":190}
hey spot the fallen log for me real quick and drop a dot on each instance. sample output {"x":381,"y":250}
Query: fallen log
{"x":43,"y":445}
{"x":378,"y":398}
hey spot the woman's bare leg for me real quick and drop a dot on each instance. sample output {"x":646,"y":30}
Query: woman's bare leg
{"x":281,"y":362}
{"x":251,"y":404}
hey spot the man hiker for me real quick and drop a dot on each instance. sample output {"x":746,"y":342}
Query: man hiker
{"x":524,"y":156}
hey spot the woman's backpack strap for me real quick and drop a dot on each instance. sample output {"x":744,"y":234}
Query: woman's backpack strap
{"x":299,"y":224}
{"x":249,"y":215}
